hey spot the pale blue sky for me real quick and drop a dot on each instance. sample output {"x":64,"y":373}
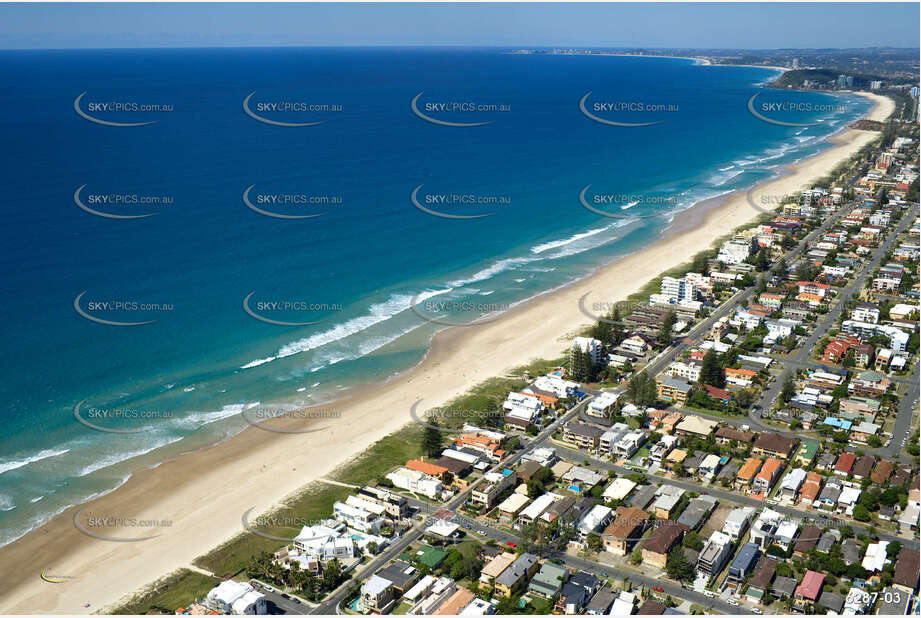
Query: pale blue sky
{"x":736,"y":25}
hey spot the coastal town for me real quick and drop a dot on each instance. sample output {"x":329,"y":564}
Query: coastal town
{"x":742,"y":439}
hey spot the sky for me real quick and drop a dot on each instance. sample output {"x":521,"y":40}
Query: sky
{"x":700,"y":25}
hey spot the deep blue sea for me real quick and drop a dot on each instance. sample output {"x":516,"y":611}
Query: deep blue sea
{"x":354,"y":270}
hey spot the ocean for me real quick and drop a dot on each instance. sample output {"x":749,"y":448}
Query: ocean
{"x":286,"y":264}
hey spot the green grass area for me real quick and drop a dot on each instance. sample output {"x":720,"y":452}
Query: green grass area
{"x":488,"y":395}
{"x":315,"y":503}
{"x":179,"y":589}
{"x":402,"y":609}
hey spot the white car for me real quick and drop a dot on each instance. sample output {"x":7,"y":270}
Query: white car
{"x":755,"y":610}
{"x":733,"y":602}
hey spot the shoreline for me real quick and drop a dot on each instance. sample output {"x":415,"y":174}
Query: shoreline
{"x":206,"y":492}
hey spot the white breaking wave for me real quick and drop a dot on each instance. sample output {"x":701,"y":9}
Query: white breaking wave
{"x":19,"y":463}
{"x":492,"y":270}
{"x":258,"y":361}
{"x":377,"y":313}
{"x":115,"y":459}
{"x":562,"y":243}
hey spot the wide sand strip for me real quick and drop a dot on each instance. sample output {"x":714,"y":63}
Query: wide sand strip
{"x":205,"y":493}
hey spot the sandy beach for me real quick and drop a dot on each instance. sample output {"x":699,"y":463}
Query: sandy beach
{"x":205,"y":493}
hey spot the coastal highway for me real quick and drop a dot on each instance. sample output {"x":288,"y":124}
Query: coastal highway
{"x":662,"y":361}
{"x":727,"y":496}
{"x":331,"y":604}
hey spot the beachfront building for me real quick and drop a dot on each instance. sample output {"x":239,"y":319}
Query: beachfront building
{"x":412,"y":480}
{"x":585,"y":345}
{"x":735,"y":250}
{"x":237,"y":598}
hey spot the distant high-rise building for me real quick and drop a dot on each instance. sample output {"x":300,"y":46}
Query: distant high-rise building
{"x":850,"y":80}
{"x":876,"y":85}
{"x":842,"y":80}
{"x":914,"y":92}
{"x":796,"y":63}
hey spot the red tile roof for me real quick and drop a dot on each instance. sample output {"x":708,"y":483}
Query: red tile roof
{"x":811,"y":585}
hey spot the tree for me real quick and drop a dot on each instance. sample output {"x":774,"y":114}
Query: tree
{"x":788,"y":389}
{"x":432,"y":439}
{"x":593,"y":542}
{"x":678,"y":567}
{"x":665,"y":329}
{"x":641,"y":389}
{"x":745,"y":398}
{"x":783,"y":569}
{"x":693,"y":541}
{"x":893,"y":549}
{"x":710,"y":372}
{"x":861,"y":513}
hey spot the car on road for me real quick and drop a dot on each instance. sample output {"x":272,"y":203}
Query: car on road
{"x":733,"y":602}
{"x":755,"y":610}
{"x":510,"y":544}
{"x":709,"y":594}
{"x":481,"y":532}
{"x":658,"y":588}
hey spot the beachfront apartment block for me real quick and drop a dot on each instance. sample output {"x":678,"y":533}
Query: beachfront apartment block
{"x":586,"y":345}
{"x":414,"y":481}
{"x":683,"y":290}
{"x":357,"y":517}
{"x":735,"y":250}
{"x":395,"y":505}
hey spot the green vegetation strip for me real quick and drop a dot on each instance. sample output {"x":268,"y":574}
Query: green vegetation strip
{"x":177,"y":589}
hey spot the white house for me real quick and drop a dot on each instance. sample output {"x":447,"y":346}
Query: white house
{"x":238,"y":598}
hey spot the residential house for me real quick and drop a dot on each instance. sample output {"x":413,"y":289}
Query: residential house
{"x":666,"y":535}
{"x":621,"y":535}
{"x":512,"y":578}
{"x":774,"y":445}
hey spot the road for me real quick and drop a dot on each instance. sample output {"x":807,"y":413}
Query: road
{"x":723,"y":495}
{"x":801,"y":359}
{"x":331,"y":603}
{"x":664,"y":360}
{"x":503,"y":537}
